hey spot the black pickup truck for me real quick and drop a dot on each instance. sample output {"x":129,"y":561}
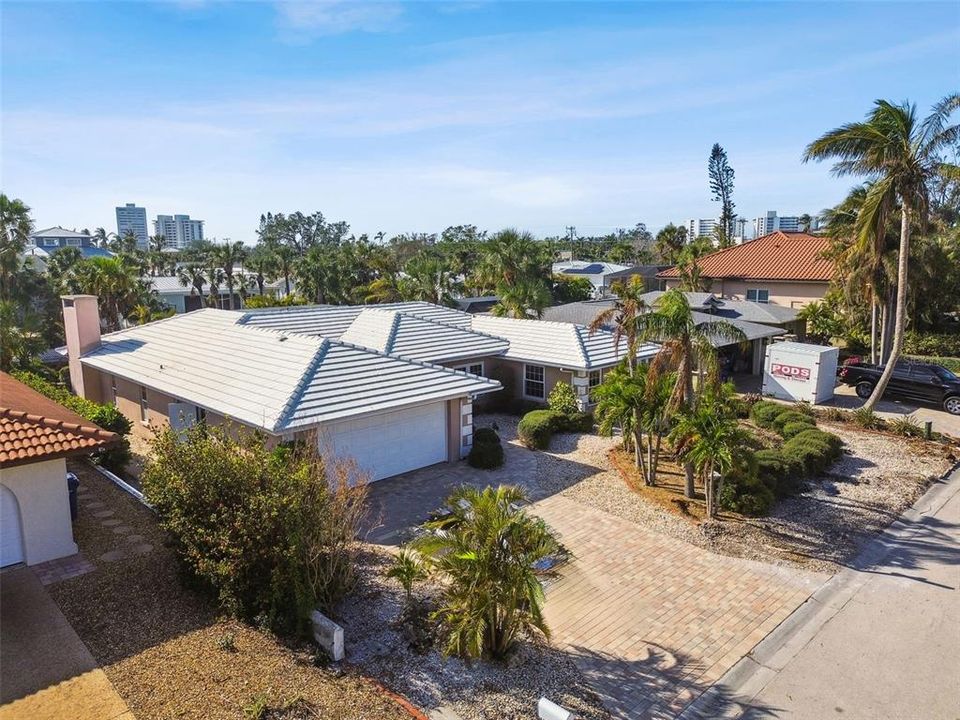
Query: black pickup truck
{"x":914,"y":381}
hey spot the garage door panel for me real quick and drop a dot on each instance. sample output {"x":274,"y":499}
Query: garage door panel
{"x":391,"y":443}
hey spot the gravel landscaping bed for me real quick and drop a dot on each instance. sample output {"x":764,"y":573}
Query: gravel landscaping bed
{"x":163,"y":646}
{"x":377,"y":644}
{"x":877,"y":478}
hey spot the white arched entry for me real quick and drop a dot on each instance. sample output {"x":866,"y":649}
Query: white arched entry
{"x":11,"y":533}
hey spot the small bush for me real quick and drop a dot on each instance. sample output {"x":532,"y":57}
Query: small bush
{"x":906,"y":426}
{"x":802,"y":406}
{"x":486,"y":455}
{"x":834,"y":414}
{"x":485,"y":435}
{"x":577,"y":422}
{"x":815,"y":452}
{"x":866,"y":419}
{"x":537,"y":427}
{"x":790,"y":416}
{"x":764,"y":412}
{"x":832,"y":441}
{"x":782,"y":475}
{"x":227,"y":642}
{"x":743,"y":491}
{"x":563,"y":399}
{"x":792,"y":429}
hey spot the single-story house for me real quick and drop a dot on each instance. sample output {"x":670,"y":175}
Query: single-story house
{"x":759,"y":323}
{"x":781,"y":268}
{"x":392,"y":386}
{"x":36,"y":436}
{"x":595,"y":272}
{"x":186,"y":298}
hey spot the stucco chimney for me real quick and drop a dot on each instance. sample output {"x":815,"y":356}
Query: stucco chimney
{"x":81,"y":324}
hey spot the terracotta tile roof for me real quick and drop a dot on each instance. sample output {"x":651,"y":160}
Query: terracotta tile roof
{"x":777,"y":256}
{"x":34,"y":427}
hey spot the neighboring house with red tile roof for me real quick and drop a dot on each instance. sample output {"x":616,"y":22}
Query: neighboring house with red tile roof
{"x":782,"y":268}
{"x":36,"y":436}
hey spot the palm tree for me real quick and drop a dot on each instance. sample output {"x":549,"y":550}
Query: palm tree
{"x":684,"y":344}
{"x":428,"y":278}
{"x":487,"y":548}
{"x":902,"y":156}
{"x":516,"y":266}
{"x":706,"y":437}
{"x":112,"y":279}
{"x":627,"y":306}
{"x":15,"y":229}
{"x":194,"y":277}
{"x":522,"y":299}
{"x":229,"y":256}
{"x":670,"y":241}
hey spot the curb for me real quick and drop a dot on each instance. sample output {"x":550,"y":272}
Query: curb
{"x":730,"y":696}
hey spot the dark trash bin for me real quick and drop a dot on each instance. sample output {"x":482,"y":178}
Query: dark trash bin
{"x":73,"y":482}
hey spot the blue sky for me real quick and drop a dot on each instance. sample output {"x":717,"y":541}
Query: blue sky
{"x":414,"y":116}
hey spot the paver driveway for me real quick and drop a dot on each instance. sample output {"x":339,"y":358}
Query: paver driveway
{"x":650,"y":620}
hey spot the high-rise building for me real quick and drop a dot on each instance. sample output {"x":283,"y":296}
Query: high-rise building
{"x":131,"y":218}
{"x":179,"y":230}
{"x":701,"y":228}
{"x":766,"y":224}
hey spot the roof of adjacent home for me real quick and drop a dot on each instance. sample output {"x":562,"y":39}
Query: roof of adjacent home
{"x":778,"y":256}
{"x":171,"y":285}
{"x":34,"y":428}
{"x":279,"y":381}
{"x":555,"y":344}
{"x":59,"y":232}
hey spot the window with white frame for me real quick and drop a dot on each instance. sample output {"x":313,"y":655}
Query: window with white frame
{"x":73,"y":242}
{"x":533,"y":385}
{"x":594,"y":378}
{"x":473,"y":368}
{"x":758,"y":296}
{"x":143,"y":404}
{"x":50,"y":242}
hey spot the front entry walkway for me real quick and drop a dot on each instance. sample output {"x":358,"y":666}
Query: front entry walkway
{"x":46,"y":672}
{"x":651,"y":621}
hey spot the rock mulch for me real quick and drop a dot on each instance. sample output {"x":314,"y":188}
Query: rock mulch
{"x":878,"y":477}
{"x":165,"y":649}
{"x":479,"y":691}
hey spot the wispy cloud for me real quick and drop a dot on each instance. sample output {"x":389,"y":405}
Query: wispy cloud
{"x":307,"y":19}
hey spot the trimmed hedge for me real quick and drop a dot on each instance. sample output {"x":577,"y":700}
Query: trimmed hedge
{"x":764,"y":412}
{"x":941,"y":344}
{"x":743,"y":490}
{"x":106,"y":416}
{"x":789,"y":416}
{"x":815,"y":449}
{"x":781,"y":474}
{"x":537,"y":427}
{"x":487,"y":452}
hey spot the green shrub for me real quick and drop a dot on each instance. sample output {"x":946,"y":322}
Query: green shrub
{"x":790,"y":416}
{"x":814,"y":452}
{"x":743,"y":491}
{"x":563,"y":399}
{"x":906,"y":426}
{"x":867,"y":419}
{"x":117,"y":456}
{"x":270,"y":533}
{"x":778,"y":472}
{"x":537,"y":427}
{"x":485,"y":435}
{"x":943,"y":344}
{"x":577,"y":422}
{"x":764,"y":412}
{"x":950,"y":363}
{"x":485,"y":455}
{"x":802,"y":406}
{"x":794,"y":428}
{"x":832,"y":441}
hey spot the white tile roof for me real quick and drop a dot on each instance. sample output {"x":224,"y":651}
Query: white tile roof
{"x":399,"y":333}
{"x":333,"y":320}
{"x":58,"y":232}
{"x":167,"y":285}
{"x":557,"y":343}
{"x":273,"y":380}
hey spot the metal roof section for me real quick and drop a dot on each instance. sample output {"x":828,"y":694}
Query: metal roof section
{"x":752,"y":331}
{"x":398,"y":333}
{"x":559,"y":344}
{"x":269,"y":379}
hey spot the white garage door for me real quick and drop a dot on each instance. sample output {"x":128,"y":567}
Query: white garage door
{"x":11,"y":538}
{"x":391,"y":443}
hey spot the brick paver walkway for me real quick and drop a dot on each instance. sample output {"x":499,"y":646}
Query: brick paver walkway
{"x":652,"y":621}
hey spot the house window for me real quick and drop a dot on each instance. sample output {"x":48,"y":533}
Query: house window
{"x":113,"y":389}
{"x":474,"y":369}
{"x":594,"y":378}
{"x":758,"y":296}
{"x":533,"y":386}
{"x":200,"y":414}
{"x":73,"y":242}
{"x":143,"y":405}
{"x":50,"y":242}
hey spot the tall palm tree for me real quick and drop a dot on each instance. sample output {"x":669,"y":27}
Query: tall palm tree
{"x":15,"y":229}
{"x":522,"y":299}
{"x":684,"y":345}
{"x":488,"y":548}
{"x":622,"y":315}
{"x":428,"y":278}
{"x":114,"y":280}
{"x":902,"y":155}
{"x":229,"y":256}
{"x":194,"y":277}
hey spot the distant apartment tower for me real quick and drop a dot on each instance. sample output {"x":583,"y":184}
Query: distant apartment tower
{"x":701,"y":228}
{"x":179,"y":230}
{"x":766,"y":224}
{"x":131,"y":218}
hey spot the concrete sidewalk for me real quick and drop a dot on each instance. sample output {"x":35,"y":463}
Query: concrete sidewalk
{"x":46,"y":672}
{"x":880,"y":640}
